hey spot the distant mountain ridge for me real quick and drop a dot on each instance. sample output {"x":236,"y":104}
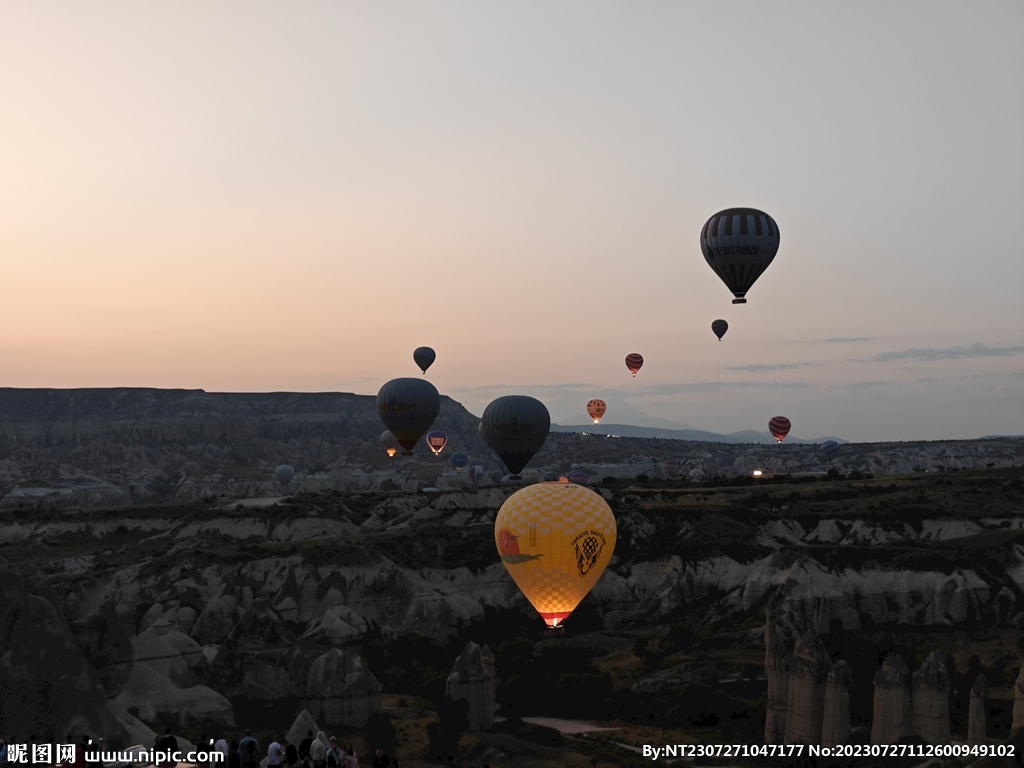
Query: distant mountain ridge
{"x":698,"y":435}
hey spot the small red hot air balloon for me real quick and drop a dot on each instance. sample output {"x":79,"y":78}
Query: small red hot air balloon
{"x":634,"y":362}
{"x":779,"y":427}
{"x":596,"y":409}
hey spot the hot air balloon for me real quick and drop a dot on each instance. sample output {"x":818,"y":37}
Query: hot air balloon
{"x":634,"y":362}
{"x":779,"y":427}
{"x":580,"y":478}
{"x":389,"y":442}
{"x":423,"y":357}
{"x":596,"y":409}
{"x":719,"y":327}
{"x":696,"y":473}
{"x":408,"y":407}
{"x":829,"y":447}
{"x":739,"y":244}
{"x":284,"y":474}
{"x":555,"y":540}
{"x":476,"y":473}
{"x":550,"y":477}
{"x":436,"y":441}
{"x":515,"y":427}
{"x":531,"y":476}
{"x":459,"y":460}
{"x":670,"y":467}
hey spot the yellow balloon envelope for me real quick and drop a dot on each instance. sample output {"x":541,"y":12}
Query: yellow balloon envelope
{"x":555,"y":539}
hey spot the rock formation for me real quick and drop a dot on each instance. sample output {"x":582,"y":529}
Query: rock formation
{"x":835,"y":719}
{"x":303,"y":724}
{"x":776,"y":667}
{"x":473,"y":678}
{"x":155,"y":697}
{"x":977,"y":725}
{"x":218,"y":618}
{"x":1018,"y":701}
{"x":805,"y":698}
{"x":341,"y":691}
{"x":892,"y":713}
{"x":930,"y":697}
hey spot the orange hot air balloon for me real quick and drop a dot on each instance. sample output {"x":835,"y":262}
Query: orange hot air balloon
{"x":634,"y":362}
{"x":596,"y":409}
{"x":779,"y":426}
{"x":555,"y":540}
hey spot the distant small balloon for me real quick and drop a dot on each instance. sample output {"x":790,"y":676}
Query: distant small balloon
{"x":579,"y":478}
{"x":829,"y":447}
{"x":719,"y":327}
{"x":476,"y":474}
{"x":634,"y":362}
{"x":531,"y":476}
{"x":779,"y":426}
{"x":423,"y":357}
{"x":436,"y":441}
{"x":459,"y":460}
{"x":695,"y":473}
{"x":284,"y":474}
{"x":389,"y":441}
{"x":596,"y":409}
{"x":670,"y":467}
{"x":550,"y":477}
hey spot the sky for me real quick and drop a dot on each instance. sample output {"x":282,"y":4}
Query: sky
{"x":268,"y":196}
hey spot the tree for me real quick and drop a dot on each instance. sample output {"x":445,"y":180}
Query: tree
{"x":444,"y":735}
{"x":380,"y":732}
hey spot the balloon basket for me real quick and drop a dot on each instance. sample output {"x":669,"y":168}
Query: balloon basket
{"x":738,"y":301}
{"x":558,"y":631}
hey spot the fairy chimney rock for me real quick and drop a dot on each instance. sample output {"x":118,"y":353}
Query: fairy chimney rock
{"x":930,"y":700}
{"x":835,"y":719}
{"x":891,"y":717}
{"x":805,"y":698}
{"x":776,"y":668}
{"x":1018,"y":701}
{"x":473,"y":678}
{"x":976,"y":725}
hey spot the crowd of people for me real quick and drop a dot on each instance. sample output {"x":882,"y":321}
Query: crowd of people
{"x":318,"y":752}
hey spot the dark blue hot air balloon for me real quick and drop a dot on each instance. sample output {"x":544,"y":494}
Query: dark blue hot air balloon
{"x":423,"y":357}
{"x":515,"y":427}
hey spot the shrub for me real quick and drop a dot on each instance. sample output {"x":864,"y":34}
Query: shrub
{"x":444,"y":734}
{"x":380,"y":732}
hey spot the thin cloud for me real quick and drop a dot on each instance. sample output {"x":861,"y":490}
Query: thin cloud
{"x":949,"y":353}
{"x":768,"y":368}
{"x":718,"y":386}
{"x":847,"y":340}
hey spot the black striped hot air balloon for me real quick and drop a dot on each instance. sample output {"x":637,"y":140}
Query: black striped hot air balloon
{"x":719,"y":327}
{"x":739,"y":244}
{"x":779,"y":427}
{"x":634,"y":362}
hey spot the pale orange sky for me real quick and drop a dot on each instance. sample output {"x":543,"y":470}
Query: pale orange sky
{"x":250,"y":197}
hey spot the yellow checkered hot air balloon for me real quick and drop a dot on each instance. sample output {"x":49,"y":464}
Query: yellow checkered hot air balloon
{"x":555,"y":539}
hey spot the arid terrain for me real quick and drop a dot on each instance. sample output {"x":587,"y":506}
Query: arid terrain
{"x":216,"y":614}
